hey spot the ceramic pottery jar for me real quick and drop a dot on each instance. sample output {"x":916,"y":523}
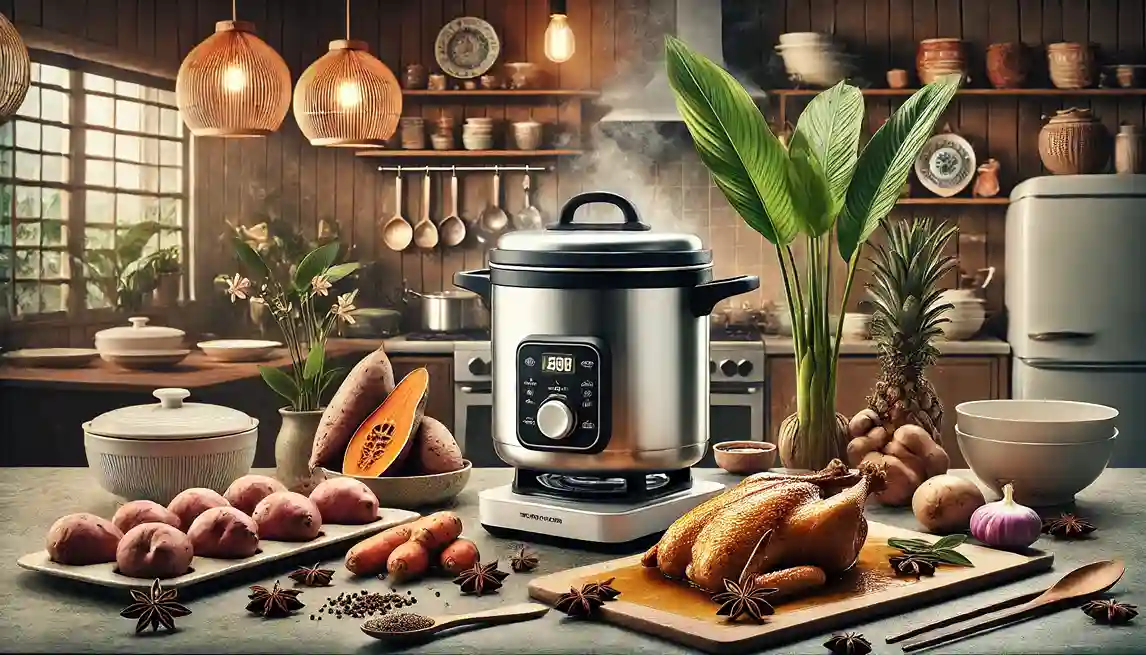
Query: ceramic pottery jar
{"x":1074,"y":142}
{"x":1071,"y":65}
{"x":1007,"y":65}
{"x":1128,"y":150}
{"x":938,"y":57}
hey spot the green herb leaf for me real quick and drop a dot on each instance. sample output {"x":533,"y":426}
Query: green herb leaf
{"x":315,"y":262}
{"x":952,"y":557}
{"x":251,"y":260}
{"x":315,"y":360}
{"x":339,"y":271}
{"x":279,"y":382}
{"x":828,"y":133}
{"x":129,"y":246}
{"x":330,"y":376}
{"x":746,"y":160}
{"x":950,"y":541}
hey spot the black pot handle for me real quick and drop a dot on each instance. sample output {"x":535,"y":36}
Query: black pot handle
{"x":475,"y":281}
{"x":632,"y":222}
{"x":706,"y":295}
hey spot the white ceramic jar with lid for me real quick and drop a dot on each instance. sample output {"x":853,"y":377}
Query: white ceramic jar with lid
{"x":138,"y":337}
{"x":152,"y":452}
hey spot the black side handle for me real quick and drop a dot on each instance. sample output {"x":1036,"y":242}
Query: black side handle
{"x":632,"y":222}
{"x":705,"y":296}
{"x":475,"y":281}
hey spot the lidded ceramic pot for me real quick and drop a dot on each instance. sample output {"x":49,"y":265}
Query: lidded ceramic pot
{"x":938,"y":57}
{"x":1071,"y":65}
{"x":138,"y":337}
{"x":968,"y":312}
{"x":1074,"y":142}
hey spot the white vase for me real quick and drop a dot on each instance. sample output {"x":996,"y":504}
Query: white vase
{"x":292,"y":450}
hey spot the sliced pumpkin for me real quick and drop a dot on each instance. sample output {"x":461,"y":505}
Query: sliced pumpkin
{"x":382,"y":442}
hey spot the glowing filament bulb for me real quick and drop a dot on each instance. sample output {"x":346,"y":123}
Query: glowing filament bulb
{"x":234,"y":79}
{"x":559,"y":42}
{"x":349,"y":95}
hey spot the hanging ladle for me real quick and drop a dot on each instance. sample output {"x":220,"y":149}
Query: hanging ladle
{"x":493,"y":219}
{"x":425,"y":232}
{"x":453,"y":228}
{"x":529,"y":218}
{"x":396,"y":232}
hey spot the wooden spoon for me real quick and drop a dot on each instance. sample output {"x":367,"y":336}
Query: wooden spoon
{"x":396,"y":232}
{"x":499,"y":616}
{"x":425,"y":232}
{"x":1087,"y":580}
{"x":452,"y":227}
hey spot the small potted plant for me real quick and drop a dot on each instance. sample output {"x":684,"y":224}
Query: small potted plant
{"x":296,"y":298}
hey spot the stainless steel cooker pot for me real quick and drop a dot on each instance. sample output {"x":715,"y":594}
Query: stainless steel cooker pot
{"x":451,"y":311}
{"x":600,"y":343}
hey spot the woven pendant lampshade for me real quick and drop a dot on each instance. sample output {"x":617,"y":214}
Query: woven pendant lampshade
{"x":348,"y":98}
{"x":233,"y":84}
{"x":15,"y":70}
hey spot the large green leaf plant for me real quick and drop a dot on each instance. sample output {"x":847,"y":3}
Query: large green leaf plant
{"x":821,"y":183}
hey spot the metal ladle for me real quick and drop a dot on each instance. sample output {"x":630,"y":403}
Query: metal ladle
{"x":493,"y":219}
{"x":425,"y":232}
{"x":529,"y":218}
{"x":452,"y":227}
{"x":396,"y":232}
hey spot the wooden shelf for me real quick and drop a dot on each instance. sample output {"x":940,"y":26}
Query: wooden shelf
{"x":466,"y":154}
{"x":953,"y":201}
{"x":1110,"y":93}
{"x":502,"y":93}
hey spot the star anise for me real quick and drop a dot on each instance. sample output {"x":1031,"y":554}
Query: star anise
{"x":578,"y":602}
{"x":848,"y":643}
{"x":276,"y":602}
{"x":481,"y":579}
{"x":523,"y":560}
{"x":603,"y":589}
{"x":156,"y":607}
{"x":744,"y":598}
{"x":1068,"y":526}
{"x":312,"y":576}
{"x":912,"y":565}
{"x":1110,"y":612}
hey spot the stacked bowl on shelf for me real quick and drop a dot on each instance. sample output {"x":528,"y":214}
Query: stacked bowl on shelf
{"x":477,"y":133}
{"x":811,"y":58}
{"x":1049,"y":450}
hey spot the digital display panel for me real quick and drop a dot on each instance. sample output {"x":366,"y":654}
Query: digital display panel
{"x":560,"y":364}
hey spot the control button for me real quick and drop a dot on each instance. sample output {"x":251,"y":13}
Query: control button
{"x":530,"y":382}
{"x":477,"y":366}
{"x":588,"y":393}
{"x":744,"y":367}
{"x":586,"y":383}
{"x":586,"y":404}
{"x":528,"y":420}
{"x":529,"y":361}
{"x":530,"y":401}
{"x":588,"y":363}
{"x":555,"y":419}
{"x":588,"y":425}
{"x":529,"y":392}
{"x":711,"y":367}
{"x":728,"y":367}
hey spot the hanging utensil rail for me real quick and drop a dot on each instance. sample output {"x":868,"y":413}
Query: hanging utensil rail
{"x":464,"y":169}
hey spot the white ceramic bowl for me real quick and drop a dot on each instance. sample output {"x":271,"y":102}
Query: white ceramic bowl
{"x":1036,"y":421}
{"x":238,"y":350}
{"x":145,"y":360}
{"x":411,"y":491}
{"x":1043,"y":474}
{"x":797,"y":38}
{"x":157,"y":470}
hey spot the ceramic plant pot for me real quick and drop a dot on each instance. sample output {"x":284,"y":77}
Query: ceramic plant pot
{"x":1007,"y":65}
{"x":292,"y":450}
{"x":1071,"y":65}
{"x":1074,"y":142}
{"x":939,"y":57}
{"x":166,"y":292}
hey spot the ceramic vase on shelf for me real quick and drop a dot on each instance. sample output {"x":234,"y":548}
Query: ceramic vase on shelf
{"x":938,"y":57}
{"x":1074,"y":142}
{"x":292,"y":450}
{"x":1128,"y":150}
{"x":1071,"y":65}
{"x":1007,"y":65}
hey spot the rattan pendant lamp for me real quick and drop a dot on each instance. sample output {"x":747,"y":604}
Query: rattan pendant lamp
{"x":348,"y":98}
{"x":15,"y":70}
{"x":233,"y":84}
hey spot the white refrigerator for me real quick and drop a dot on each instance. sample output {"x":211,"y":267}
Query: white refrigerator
{"x":1076,"y":297}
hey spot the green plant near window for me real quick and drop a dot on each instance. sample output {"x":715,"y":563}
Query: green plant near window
{"x":107,"y":268}
{"x":820,"y":183}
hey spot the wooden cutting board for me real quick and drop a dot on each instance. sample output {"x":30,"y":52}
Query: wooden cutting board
{"x":651,"y":604}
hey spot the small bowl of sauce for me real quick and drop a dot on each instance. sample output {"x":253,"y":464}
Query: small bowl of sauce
{"x":744,"y":457}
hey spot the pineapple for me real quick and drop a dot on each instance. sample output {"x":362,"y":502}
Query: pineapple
{"x":904,"y":290}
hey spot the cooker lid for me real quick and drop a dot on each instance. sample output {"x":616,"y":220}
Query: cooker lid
{"x":170,"y":419}
{"x":629,"y":244}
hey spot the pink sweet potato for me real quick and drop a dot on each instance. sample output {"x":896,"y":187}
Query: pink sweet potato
{"x":80,"y":539}
{"x":190,"y":503}
{"x":437,"y":450}
{"x":224,"y":532}
{"x":246,"y":492}
{"x":287,"y":516}
{"x":364,"y":389}
{"x":154,"y":550}
{"x":135,"y":512}
{"x":345,"y":501}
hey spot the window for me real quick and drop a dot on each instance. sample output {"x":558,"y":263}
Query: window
{"x":90,"y":154}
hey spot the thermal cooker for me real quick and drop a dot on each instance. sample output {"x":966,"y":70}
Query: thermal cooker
{"x":600,"y":339}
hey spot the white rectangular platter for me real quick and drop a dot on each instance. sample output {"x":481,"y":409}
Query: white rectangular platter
{"x":210,"y":568}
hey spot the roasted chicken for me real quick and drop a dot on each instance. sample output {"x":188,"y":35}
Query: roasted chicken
{"x":784,"y":530}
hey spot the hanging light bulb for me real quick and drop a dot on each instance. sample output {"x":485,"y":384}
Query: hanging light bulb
{"x":15,"y":70}
{"x":233,"y":84}
{"x":348,"y":98}
{"x":559,"y":42}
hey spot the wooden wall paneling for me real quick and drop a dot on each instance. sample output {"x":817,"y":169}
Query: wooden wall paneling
{"x":877,"y":44}
{"x":288,"y":185}
{"x":601,"y":42}
{"x":101,"y":22}
{"x":827,"y":16}
{"x":536,"y":20}
{"x":66,"y":18}
{"x":576,"y":73}
{"x":797,"y":17}
{"x":1103,"y":32}
{"x":1131,"y":47}
{"x":388,"y":273}
{"x":28,"y":11}
{"x":211,"y":180}
{"x":901,"y":36}
{"x":1030,"y":111}
{"x":127,"y":12}
{"x":147,"y":41}
{"x":1075,"y":20}
{"x":433,"y":18}
{"x":329,"y":172}
{"x":1052,"y":32}
{"x":412,"y":52}
{"x":923,"y":21}
{"x":974,"y":114}
{"x":364,"y":21}
{"x":271,"y":177}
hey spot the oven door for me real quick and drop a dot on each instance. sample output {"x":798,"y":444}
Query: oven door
{"x":736,"y":414}
{"x":473,"y":423}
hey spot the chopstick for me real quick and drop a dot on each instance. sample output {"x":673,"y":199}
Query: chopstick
{"x":989,"y":622}
{"x":959,"y":618}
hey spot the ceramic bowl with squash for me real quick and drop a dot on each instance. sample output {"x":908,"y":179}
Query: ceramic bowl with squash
{"x":413,"y":491}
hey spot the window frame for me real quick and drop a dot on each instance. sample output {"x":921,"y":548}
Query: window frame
{"x":76,"y":311}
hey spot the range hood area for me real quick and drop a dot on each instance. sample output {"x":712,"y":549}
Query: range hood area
{"x":698,"y":23}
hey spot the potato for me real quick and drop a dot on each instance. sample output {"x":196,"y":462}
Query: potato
{"x":246,"y":492}
{"x":346,"y":501}
{"x":901,"y":480}
{"x":863,"y":422}
{"x":437,"y":451}
{"x":224,"y":532}
{"x":871,"y":441}
{"x":190,"y":503}
{"x":154,"y":550}
{"x":287,"y":516}
{"x":144,"y":511}
{"x":80,"y":539}
{"x":944,"y":504}
{"x":919,"y":441}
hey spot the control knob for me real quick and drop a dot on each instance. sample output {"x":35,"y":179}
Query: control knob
{"x":478,"y":366}
{"x":554,"y":419}
{"x":744,"y":367}
{"x":728,"y":368}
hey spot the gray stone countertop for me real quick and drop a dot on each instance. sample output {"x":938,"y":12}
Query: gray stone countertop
{"x":43,"y":614}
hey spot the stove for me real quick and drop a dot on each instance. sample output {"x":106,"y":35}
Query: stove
{"x":465,"y":335}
